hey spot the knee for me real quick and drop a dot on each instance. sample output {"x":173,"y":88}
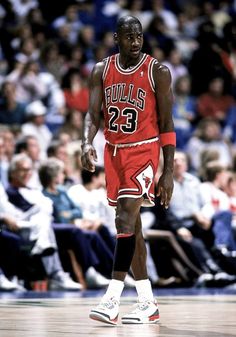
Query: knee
{"x":127,"y":215}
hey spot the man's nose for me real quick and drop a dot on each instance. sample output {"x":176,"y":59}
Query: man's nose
{"x":135,"y":42}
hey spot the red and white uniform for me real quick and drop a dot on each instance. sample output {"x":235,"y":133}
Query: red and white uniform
{"x":131,"y":129}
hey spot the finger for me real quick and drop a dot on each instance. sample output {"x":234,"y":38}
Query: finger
{"x":168,"y":198}
{"x":158,"y":192}
{"x":162,"y":196}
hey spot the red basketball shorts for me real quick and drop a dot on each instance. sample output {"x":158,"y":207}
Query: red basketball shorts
{"x":130,"y":172}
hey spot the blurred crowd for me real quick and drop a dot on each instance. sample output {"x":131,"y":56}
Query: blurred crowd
{"x":55,"y":222}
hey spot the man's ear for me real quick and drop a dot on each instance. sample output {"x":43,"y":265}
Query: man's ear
{"x":115,"y":36}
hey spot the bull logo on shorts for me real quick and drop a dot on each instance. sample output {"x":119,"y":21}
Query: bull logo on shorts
{"x":147,"y":180}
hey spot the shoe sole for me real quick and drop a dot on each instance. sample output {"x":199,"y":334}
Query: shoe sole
{"x":155,"y":318}
{"x":97,"y":316}
{"x":136,"y":321}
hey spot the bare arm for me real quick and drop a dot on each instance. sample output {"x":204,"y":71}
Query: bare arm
{"x":92,"y":118}
{"x":164,"y":98}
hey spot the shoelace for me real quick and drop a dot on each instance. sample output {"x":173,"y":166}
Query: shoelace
{"x":109,"y":304}
{"x":140,"y":306}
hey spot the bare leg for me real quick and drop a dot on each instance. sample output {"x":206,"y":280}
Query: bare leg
{"x":127,"y":219}
{"x":138,"y":265}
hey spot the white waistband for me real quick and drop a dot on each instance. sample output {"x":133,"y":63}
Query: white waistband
{"x":146,"y":141}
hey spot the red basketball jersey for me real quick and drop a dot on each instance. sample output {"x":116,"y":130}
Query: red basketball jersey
{"x":129,"y":102}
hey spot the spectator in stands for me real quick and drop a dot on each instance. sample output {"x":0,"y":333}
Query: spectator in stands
{"x":229,"y":131}
{"x":188,"y":216}
{"x":230,"y":190}
{"x":12,"y":112}
{"x":9,"y":138}
{"x":175,"y":63}
{"x":73,"y":125}
{"x":59,"y":149}
{"x":207,"y":156}
{"x":206,"y":62}
{"x":36,"y":125}
{"x":75,"y":91}
{"x":30,"y":146}
{"x":51,"y":60}
{"x":10,"y":254}
{"x":67,"y":214}
{"x":214,"y":102}
{"x":71,"y":19}
{"x":184,"y":110}
{"x":32,"y":211}
{"x":87,"y":196}
{"x":4,"y":164}
{"x":207,"y":135}
{"x":217,"y":206}
{"x":29,"y":86}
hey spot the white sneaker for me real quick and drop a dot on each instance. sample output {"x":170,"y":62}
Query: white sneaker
{"x":95,"y":280}
{"x":107,"y":311}
{"x":6,"y":285}
{"x":62,"y":281}
{"x":146,"y":312}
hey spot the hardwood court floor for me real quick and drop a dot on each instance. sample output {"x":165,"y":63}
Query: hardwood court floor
{"x":181,"y":316}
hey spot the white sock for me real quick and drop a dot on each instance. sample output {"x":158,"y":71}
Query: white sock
{"x":144,"y":290}
{"x":114,"y":289}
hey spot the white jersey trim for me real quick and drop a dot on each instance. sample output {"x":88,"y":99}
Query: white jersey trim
{"x":107,"y":62}
{"x":150,"y":74}
{"x":129,"y":71}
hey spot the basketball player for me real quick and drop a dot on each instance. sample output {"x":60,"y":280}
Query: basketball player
{"x":134,"y":91}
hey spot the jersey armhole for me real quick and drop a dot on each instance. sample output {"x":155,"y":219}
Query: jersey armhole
{"x":105,"y":70}
{"x":150,"y":74}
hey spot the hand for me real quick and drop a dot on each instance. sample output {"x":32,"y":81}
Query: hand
{"x":165,"y":188}
{"x":202,"y":221}
{"x":10,"y":222}
{"x":185,"y":234}
{"x":88,"y":157}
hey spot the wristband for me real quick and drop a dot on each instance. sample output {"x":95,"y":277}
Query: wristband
{"x":167,"y":138}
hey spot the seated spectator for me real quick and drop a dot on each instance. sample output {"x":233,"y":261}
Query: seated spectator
{"x":184,"y":110}
{"x":71,"y":19}
{"x":175,"y":63}
{"x":29,"y":87}
{"x":36,"y":125}
{"x":160,"y":240}
{"x":230,"y":125}
{"x":12,"y":112}
{"x":75,"y":91}
{"x":60,"y":150}
{"x":65,"y":212}
{"x":10,"y":255}
{"x":207,"y":156}
{"x":4,"y":164}
{"x":88,"y":197}
{"x":73,"y":125}
{"x":215,"y":103}
{"x":9,"y":136}
{"x":230,"y":190}
{"x":32,"y":214}
{"x":188,"y":217}
{"x":217,"y":206}
{"x":208,"y":135}
{"x":30,"y":146}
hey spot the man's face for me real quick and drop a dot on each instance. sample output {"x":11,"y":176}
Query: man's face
{"x":33,"y":149}
{"x":180,"y":164}
{"x":130,"y":40}
{"x":22,"y":174}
